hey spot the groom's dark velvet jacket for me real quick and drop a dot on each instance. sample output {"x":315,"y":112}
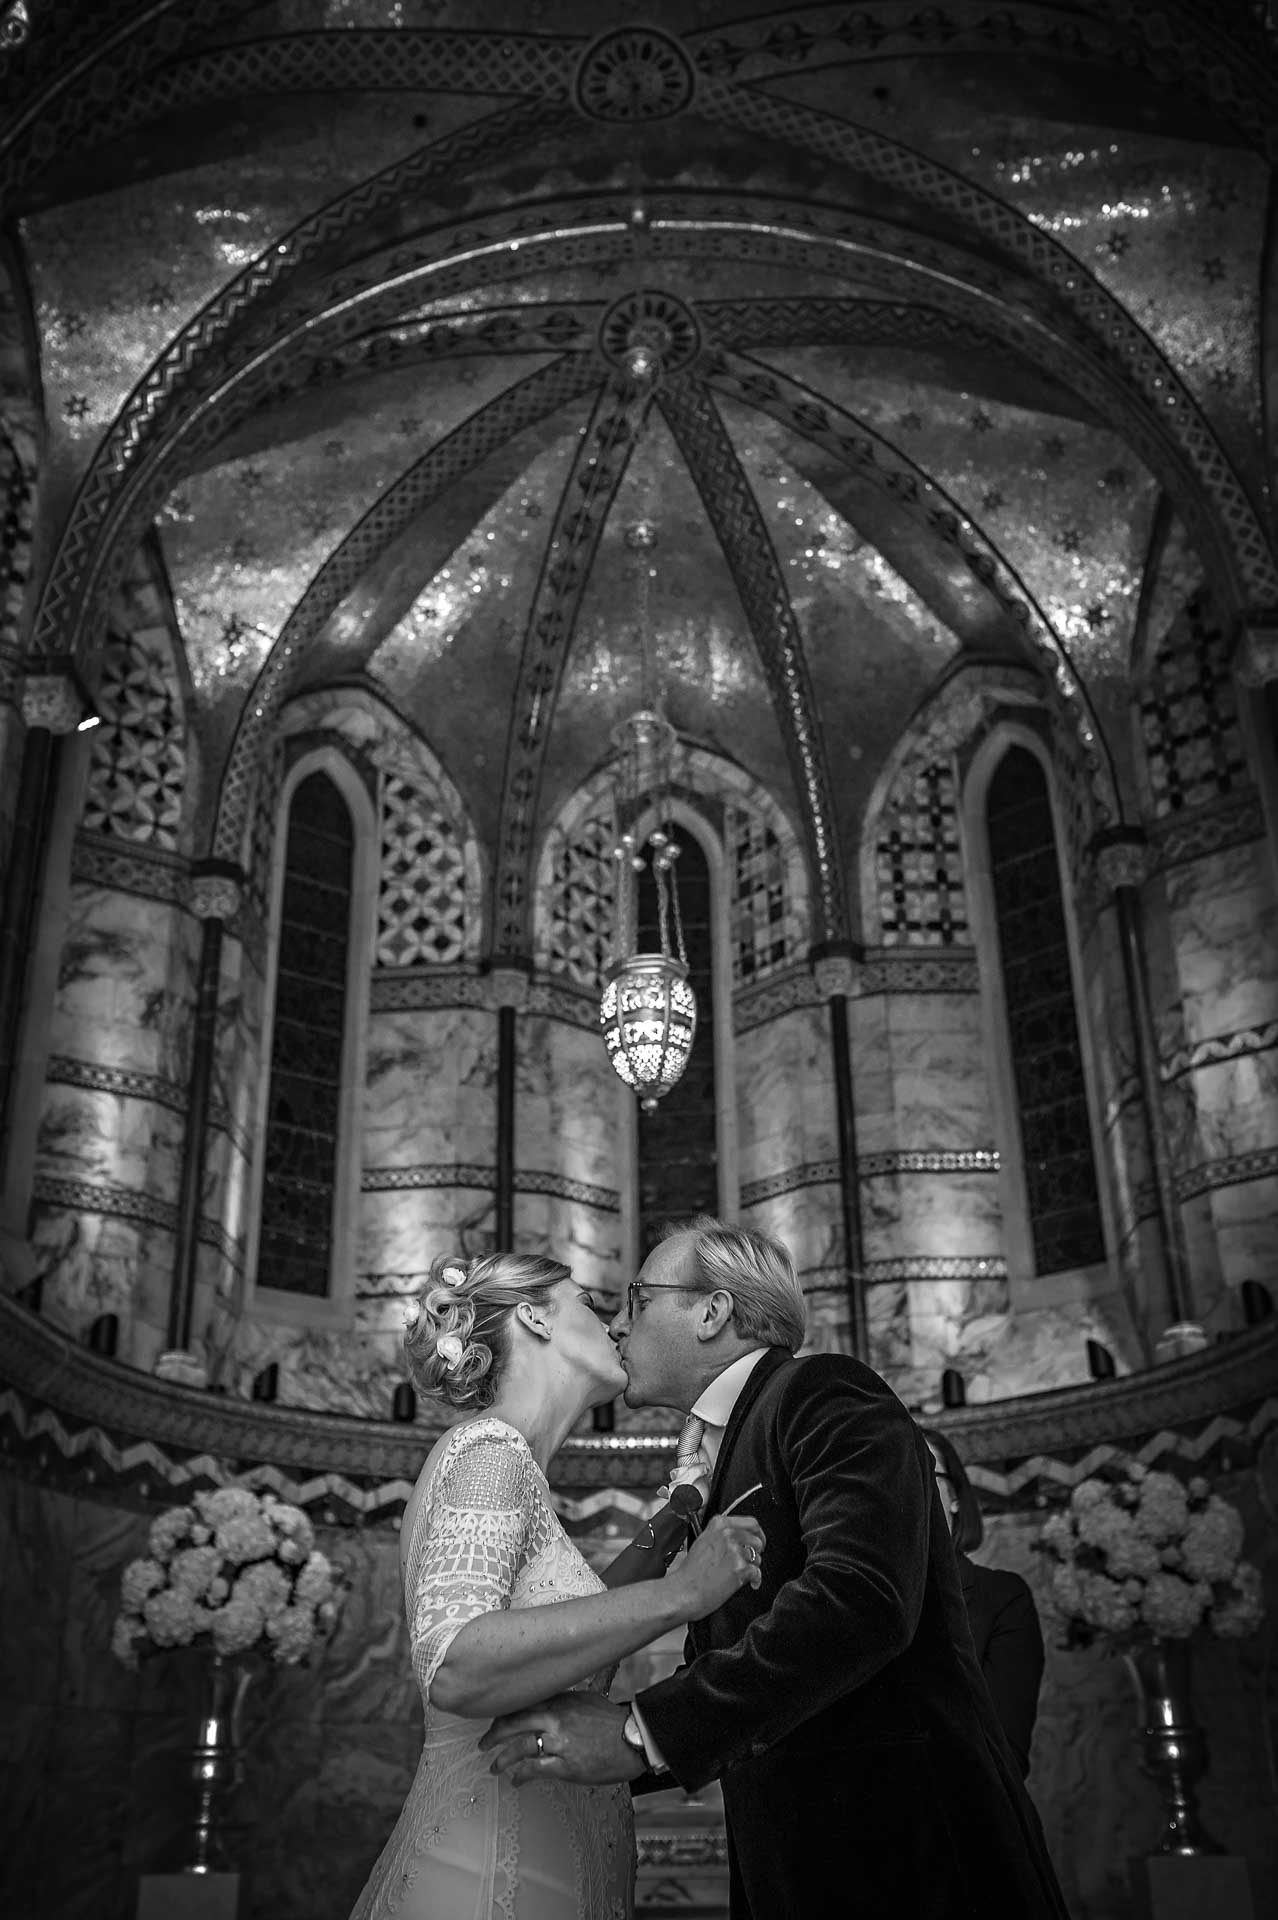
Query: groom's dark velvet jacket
{"x":841,"y":1704}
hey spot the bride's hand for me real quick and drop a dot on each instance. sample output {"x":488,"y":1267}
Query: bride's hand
{"x":726,"y":1556}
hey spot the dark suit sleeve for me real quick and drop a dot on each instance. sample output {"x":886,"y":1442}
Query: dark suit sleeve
{"x":1012,"y":1663}
{"x":849,"y":1452}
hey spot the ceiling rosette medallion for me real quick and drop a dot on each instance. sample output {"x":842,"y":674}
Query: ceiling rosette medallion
{"x":636,"y":73}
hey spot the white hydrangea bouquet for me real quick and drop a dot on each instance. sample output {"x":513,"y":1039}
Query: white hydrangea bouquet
{"x":234,"y":1571}
{"x":1144,"y":1556}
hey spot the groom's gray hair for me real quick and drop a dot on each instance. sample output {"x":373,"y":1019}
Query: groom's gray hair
{"x":767,"y":1300}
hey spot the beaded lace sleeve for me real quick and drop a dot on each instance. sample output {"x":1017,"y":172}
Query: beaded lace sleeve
{"x":476,"y":1534}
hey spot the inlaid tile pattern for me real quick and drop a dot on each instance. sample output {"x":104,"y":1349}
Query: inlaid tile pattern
{"x":1194,"y":750}
{"x":137,"y":762}
{"x":583,"y":892}
{"x":920,"y":874}
{"x":764,"y":934}
{"x":421,"y":903}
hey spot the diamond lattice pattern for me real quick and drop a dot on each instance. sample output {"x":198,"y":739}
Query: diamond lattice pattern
{"x":421,"y":901}
{"x":581,"y":903}
{"x":137,"y":769}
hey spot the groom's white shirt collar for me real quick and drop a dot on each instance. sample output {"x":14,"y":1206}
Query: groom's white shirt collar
{"x":714,"y":1404}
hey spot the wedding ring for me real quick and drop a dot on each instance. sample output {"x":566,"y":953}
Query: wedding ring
{"x":541,"y":1748}
{"x":751,"y":1555}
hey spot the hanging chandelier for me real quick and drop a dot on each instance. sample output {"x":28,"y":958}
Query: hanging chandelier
{"x":648,"y":1011}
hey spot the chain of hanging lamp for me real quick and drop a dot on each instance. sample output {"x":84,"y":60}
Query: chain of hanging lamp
{"x":648,"y":1011}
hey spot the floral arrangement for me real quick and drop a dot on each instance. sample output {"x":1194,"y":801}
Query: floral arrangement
{"x":234,"y":1570}
{"x":1141,"y":1555}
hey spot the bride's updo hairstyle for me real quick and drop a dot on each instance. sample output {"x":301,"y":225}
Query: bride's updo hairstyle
{"x":458,"y":1343}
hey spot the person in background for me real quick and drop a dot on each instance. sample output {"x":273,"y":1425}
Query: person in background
{"x":1000,"y":1607}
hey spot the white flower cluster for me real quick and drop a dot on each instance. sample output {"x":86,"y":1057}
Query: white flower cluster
{"x":234,"y":1570}
{"x":1144,"y":1555}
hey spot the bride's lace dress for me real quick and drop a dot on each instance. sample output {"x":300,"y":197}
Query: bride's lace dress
{"x":468,"y":1845}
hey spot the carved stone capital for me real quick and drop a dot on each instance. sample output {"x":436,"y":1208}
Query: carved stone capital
{"x":508,"y":986}
{"x":215,"y":893}
{"x":1123,"y":862}
{"x":835,"y":973}
{"x":52,"y":701}
{"x":1256,"y":657}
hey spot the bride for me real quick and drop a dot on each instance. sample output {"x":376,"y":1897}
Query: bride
{"x":503,"y":1611}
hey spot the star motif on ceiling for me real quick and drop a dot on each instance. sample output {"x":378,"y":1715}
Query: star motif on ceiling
{"x":1071,"y":539}
{"x":178,"y":506}
{"x":468,"y":375}
{"x":252,"y":478}
{"x":1054,"y":447}
{"x":911,"y":421}
{"x":334,"y":449}
{"x":1221,"y":197}
{"x":160,"y":295}
{"x":1117,"y":479}
{"x":242,"y":551}
{"x":1223,"y":379}
{"x":1117,"y":242}
{"x":76,"y":406}
{"x":980,"y":421}
{"x":532,"y":510}
{"x":1214,"y":269}
{"x":991,"y":500}
{"x":1097,"y":616}
{"x":72,"y":324}
{"x":410,"y":424}
{"x":315,"y":521}
{"x":235,"y":634}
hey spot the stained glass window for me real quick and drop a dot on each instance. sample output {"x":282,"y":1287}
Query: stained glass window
{"x":295,"y":1247}
{"x":678,"y":1146}
{"x":1038,"y":987}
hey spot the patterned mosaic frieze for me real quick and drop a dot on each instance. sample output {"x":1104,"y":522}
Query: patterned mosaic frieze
{"x":1230,"y":1171}
{"x":137,"y":761}
{"x":1220,"y":1048}
{"x":935,"y":1267}
{"x":421,"y":901}
{"x":1232,"y":821}
{"x":154,"y":873}
{"x":412,"y":990}
{"x":754,"y":1006}
{"x":908,"y":1160}
{"x":581,"y":904}
{"x":119,"y":1080}
{"x":900,"y":971}
{"x":484,"y":1178}
{"x":766,"y":935}
{"x":812,"y":1173}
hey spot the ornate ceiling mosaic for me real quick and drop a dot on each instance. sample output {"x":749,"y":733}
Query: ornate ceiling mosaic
{"x":954,"y":318}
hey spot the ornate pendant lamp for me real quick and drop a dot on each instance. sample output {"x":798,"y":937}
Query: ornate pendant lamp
{"x":648,"y":1011}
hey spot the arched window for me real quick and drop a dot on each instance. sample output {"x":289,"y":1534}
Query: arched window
{"x":308,"y":1044}
{"x":678,"y":1142}
{"x":1042,"y":1022}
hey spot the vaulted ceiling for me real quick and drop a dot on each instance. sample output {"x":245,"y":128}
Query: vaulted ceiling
{"x":955,"y":331}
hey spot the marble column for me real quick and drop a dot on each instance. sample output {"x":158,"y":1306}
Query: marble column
{"x":52,"y":707}
{"x":834,"y":974}
{"x":215,"y":897}
{"x":508,"y":984}
{"x":1122,"y":865}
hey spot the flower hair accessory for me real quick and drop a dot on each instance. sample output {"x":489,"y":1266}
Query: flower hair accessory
{"x":449,"y":1350}
{"x":454,"y":1276}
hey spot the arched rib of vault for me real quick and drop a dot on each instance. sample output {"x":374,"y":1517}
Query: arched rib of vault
{"x":521,"y":406}
{"x":1174,"y":439}
{"x":732,"y":510}
{"x":1196,"y":55}
{"x":597,"y":471}
{"x":939,"y":518}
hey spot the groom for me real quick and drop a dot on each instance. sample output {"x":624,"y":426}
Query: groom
{"x":840,"y":1703}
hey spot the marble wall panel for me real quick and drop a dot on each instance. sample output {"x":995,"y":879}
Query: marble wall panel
{"x":126,"y":983}
{"x":941,"y":1092}
{"x":93,"y":1263}
{"x":968,"y":1325}
{"x":873,"y":1090}
{"x":785,"y":1094}
{"x":430,"y":1079}
{"x":931,"y":1215}
{"x":1223,"y":920}
{"x":1237,"y":1102}
{"x":567,"y":1105}
{"x":1245,"y":1225}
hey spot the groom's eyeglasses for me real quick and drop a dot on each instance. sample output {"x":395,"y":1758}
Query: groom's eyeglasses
{"x":638,"y":1288}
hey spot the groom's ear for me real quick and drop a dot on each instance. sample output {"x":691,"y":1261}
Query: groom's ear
{"x":715,"y":1314}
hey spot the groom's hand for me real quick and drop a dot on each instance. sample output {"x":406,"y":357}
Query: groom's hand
{"x":580,"y":1740}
